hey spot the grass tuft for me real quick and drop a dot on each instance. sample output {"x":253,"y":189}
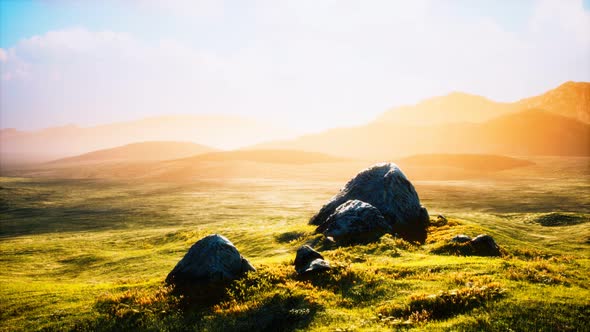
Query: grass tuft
{"x":538,"y":271}
{"x":422,"y":307}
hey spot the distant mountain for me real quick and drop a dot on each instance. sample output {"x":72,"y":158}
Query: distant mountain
{"x":534,"y":132}
{"x":452,"y":108}
{"x":59,"y":142}
{"x":554,"y":123}
{"x":530,"y":132}
{"x":571,"y":99}
{"x":143,"y":151}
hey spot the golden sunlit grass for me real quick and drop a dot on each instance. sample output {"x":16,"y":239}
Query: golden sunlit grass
{"x":92,"y":255}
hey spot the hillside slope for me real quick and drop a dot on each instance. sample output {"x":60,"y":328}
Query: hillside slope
{"x":478,"y":162}
{"x":571,"y":99}
{"x":225,"y":132}
{"x":255,"y":164}
{"x":530,"y":132}
{"x":452,"y":108}
{"x":143,"y":151}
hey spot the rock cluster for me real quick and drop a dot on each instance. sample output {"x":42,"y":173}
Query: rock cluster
{"x":382,"y":187}
{"x":308,"y":260}
{"x":376,"y":201}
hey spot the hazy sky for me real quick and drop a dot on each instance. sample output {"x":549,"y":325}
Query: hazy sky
{"x":310,"y":64}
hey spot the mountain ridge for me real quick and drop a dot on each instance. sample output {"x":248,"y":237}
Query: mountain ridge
{"x":529,"y":132}
{"x":571,"y":99}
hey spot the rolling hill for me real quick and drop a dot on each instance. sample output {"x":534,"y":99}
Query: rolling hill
{"x":450,"y":166}
{"x":224,"y":132}
{"x":252,"y":164}
{"x":476,"y":162}
{"x":143,"y":151}
{"x":265,"y":156}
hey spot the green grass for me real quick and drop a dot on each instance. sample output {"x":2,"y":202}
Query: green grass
{"x":93,"y":255}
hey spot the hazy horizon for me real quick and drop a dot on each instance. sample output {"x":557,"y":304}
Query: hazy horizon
{"x":277,"y":124}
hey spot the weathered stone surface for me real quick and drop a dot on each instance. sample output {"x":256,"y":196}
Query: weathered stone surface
{"x":484,"y":245}
{"x":385,"y":187}
{"x":308,"y":260}
{"x":355,"y":221}
{"x":212,"y":259}
{"x":461,"y":238}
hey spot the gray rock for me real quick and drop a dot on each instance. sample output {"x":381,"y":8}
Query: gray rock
{"x":308,"y":260}
{"x":484,"y":245}
{"x":355,"y":221}
{"x":212,"y":259}
{"x":385,"y":187}
{"x":440,"y":221}
{"x":461,"y":238}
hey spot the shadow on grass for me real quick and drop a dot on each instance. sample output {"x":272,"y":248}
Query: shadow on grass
{"x":33,"y":207}
{"x":34,"y":220}
{"x":559,"y":219}
{"x":280,"y":312}
{"x":164,"y":311}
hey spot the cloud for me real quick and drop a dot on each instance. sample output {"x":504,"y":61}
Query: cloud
{"x":562,"y":17}
{"x":76,"y":75}
{"x":311,"y":64}
{"x":199,"y":9}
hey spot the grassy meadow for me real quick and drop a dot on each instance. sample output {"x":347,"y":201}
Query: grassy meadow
{"x":90,"y":254}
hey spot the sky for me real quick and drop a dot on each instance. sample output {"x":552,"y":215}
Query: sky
{"x":305,"y":64}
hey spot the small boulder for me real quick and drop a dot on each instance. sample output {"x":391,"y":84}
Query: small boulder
{"x":484,"y":245}
{"x":461,"y":238}
{"x":440,"y":221}
{"x":308,"y":260}
{"x":385,"y":187}
{"x":212,"y":259}
{"x":463,"y":245}
{"x":355,"y":221}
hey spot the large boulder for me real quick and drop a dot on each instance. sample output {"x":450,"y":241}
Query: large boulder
{"x":385,"y":187}
{"x":355,"y":221}
{"x":212,"y":259}
{"x":308,"y":260}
